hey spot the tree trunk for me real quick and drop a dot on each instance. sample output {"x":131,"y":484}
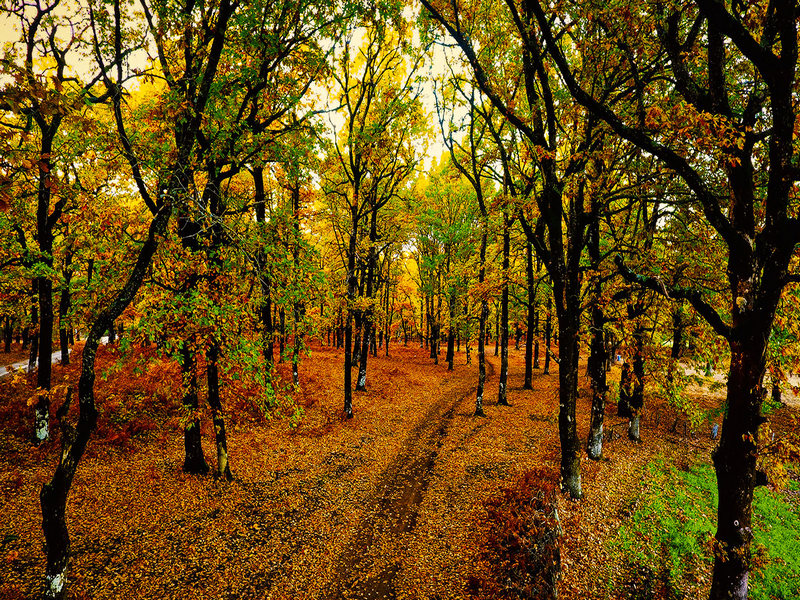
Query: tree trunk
{"x":502,"y":394}
{"x":63,"y":311}
{"x":8,"y":333}
{"x":597,"y":350}
{"x":568,"y":325}
{"x":451,"y":332}
{"x":214,"y":401}
{"x":597,"y":374}
{"x":548,"y":334}
{"x":348,"y":327}
{"x":484,"y":316}
{"x":637,"y":395}
{"x":33,"y":332}
{"x":299,"y":313}
{"x":497,"y":332}
{"x":268,"y":339}
{"x":368,"y":327}
{"x":389,"y":318}
{"x":45,"y":365}
{"x":282,"y":341}
{"x":529,"y":366}
{"x":735,"y":466}
{"x":359,"y":325}
{"x":536,"y":340}
{"x":194,"y":460}
{"x":366,"y":331}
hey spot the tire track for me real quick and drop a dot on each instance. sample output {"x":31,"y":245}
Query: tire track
{"x":368,"y":570}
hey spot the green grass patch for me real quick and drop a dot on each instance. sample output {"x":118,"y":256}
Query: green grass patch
{"x":664,"y":545}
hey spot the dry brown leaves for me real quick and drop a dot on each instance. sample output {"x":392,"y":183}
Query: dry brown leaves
{"x":383,"y":505}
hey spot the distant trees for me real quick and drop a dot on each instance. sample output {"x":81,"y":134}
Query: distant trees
{"x":370,"y":158}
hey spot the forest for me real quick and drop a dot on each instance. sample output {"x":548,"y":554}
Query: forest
{"x":434,"y":299}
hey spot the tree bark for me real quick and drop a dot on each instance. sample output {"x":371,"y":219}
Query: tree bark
{"x":265,"y":282}
{"x":597,"y":350}
{"x":367,"y":324}
{"x":348,"y":327}
{"x":484,"y":316}
{"x":536,"y":340}
{"x":568,"y":325}
{"x":548,"y":334}
{"x":215,"y":402}
{"x":637,"y":395}
{"x":63,"y":311}
{"x":282,"y":340}
{"x":451,"y":331}
{"x":528,"y":385}
{"x":502,"y":394}
{"x":45,"y":365}
{"x":194,"y":460}
{"x":497,"y":331}
{"x":33,"y":331}
{"x":735,"y":465}
{"x":597,"y":374}
{"x":8,"y":333}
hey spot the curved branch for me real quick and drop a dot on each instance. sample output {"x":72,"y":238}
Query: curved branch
{"x":677,"y":293}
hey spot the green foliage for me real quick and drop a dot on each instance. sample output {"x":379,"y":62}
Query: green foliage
{"x":671,"y":530}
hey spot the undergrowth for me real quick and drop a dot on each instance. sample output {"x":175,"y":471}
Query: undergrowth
{"x":665,"y":546}
{"x":520,"y":556}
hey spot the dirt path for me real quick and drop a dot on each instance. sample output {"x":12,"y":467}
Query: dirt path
{"x":368,"y":570}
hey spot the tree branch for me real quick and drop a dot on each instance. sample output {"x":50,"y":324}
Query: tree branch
{"x":677,"y":293}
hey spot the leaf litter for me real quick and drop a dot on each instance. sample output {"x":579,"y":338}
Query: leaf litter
{"x":385,"y":505}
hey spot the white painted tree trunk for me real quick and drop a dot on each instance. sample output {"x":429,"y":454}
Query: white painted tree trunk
{"x":633,"y":427}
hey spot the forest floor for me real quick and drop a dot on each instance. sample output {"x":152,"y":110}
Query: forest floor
{"x":384,"y":505}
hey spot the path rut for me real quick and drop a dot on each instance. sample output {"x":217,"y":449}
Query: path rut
{"x":369,"y":566}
